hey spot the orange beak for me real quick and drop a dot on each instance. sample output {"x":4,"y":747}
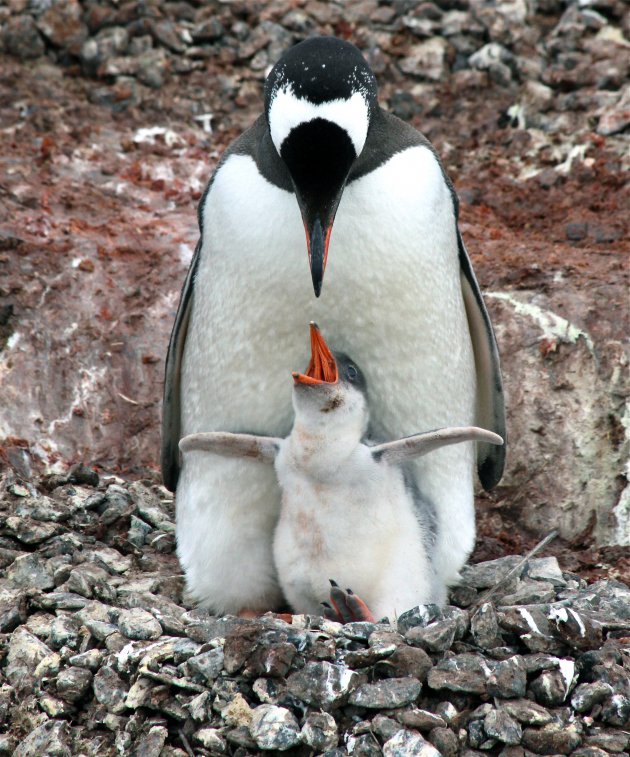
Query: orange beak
{"x":323,"y":367}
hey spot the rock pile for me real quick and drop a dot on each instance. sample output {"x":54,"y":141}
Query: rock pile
{"x":101,"y":655}
{"x":564,"y":59}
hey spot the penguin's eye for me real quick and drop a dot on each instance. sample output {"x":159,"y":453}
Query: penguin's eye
{"x":351,"y":373}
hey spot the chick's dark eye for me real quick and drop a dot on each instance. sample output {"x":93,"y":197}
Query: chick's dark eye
{"x":351,"y":372}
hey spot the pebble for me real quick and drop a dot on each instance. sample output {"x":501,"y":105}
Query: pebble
{"x":73,"y":683}
{"x":407,"y":743}
{"x":320,"y":731}
{"x":274,"y":727}
{"x":25,"y":652}
{"x":322,"y":684}
{"x":139,"y":624}
{"x":110,"y":690}
{"x":393,"y":692}
{"x":500,"y":725}
{"x":29,"y":571}
{"x":463,"y":672}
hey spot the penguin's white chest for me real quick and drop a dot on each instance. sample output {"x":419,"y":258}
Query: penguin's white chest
{"x":391,"y":299}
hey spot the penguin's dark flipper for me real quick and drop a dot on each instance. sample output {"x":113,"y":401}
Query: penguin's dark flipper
{"x":348,"y":607}
{"x":171,"y":405}
{"x":490,"y":399}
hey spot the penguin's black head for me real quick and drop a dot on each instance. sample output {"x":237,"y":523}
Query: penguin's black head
{"x":319,"y":101}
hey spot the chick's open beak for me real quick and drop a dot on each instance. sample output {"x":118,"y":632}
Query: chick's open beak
{"x":322,"y":368}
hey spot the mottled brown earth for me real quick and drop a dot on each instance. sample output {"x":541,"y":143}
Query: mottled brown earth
{"x":97,"y":225}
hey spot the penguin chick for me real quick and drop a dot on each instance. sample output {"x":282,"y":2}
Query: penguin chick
{"x":347,"y":512}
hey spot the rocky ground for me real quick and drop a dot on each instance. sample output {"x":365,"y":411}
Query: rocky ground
{"x":102,"y":656}
{"x":112,"y":117}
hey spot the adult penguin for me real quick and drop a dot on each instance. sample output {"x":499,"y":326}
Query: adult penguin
{"x":400,"y":296}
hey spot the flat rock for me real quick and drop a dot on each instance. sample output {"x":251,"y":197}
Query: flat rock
{"x":139,"y":624}
{"x":463,"y":672}
{"x":322,"y":684}
{"x":500,"y":725}
{"x":25,"y":652}
{"x":407,"y":743}
{"x":391,"y":693}
{"x":30,"y":571}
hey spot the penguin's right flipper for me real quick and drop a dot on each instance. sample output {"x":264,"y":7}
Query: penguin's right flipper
{"x":263,"y":448}
{"x":420,"y":444}
{"x":171,"y":405}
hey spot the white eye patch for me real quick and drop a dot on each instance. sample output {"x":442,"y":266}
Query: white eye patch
{"x":288,"y":111}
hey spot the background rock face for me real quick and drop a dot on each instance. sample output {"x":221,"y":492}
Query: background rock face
{"x":114,"y":116}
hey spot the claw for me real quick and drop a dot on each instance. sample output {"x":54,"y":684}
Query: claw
{"x":348,"y":607}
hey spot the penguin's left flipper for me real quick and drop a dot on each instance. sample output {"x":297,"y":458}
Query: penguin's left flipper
{"x":347,"y":607}
{"x":263,"y":448}
{"x":490,"y":398}
{"x":417,"y":445}
{"x":171,"y":406}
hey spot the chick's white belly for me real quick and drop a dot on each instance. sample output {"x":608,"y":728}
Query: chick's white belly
{"x":362,"y":534}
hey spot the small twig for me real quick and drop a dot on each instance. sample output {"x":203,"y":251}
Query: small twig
{"x":491,"y":592}
{"x":186,"y":744}
{"x":127,"y":399}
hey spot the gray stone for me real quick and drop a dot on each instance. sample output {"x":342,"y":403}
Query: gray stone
{"x":91,"y":660}
{"x":50,"y":738}
{"x":365,"y":745}
{"x":587,"y":695}
{"x":110,"y":690}
{"x":445,"y":741}
{"x":24,"y":654}
{"x":384,"y":727}
{"x":500,"y":725}
{"x":426,"y":60}
{"x":423,"y":720}
{"x":139,"y":624}
{"x":546,"y":569}
{"x":612,"y":740}
{"x":64,"y":631}
{"x":616,"y":711}
{"x":22,"y":38}
{"x":322,"y":684}
{"x":30,"y":531}
{"x":436,"y":637}
{"x":527,"y":592}
{"x":555,"y":738}
{"x":616,"y":118}
{"x":484,"y":627}
{"x":508,"y":678}
{"x":320,"y":731}
{"x":551,"y":688}
{"x":418,"y":616}
{"x":12,"y":610}
{"x":30,"y":572}
{"x":152,"y":743}
{"x":485,"y":575}
{"x":528,"y":712}
{"x":463,"y":672}
{"x":406,"y":661}
{"x":407,"y":744}
{"x":73,"y":683}
{"x":211,"y":739}
{"x":208,"y":665}
{"x":274,"y":727}
{"x":138,"y":531}
{"x":388,"y":694}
